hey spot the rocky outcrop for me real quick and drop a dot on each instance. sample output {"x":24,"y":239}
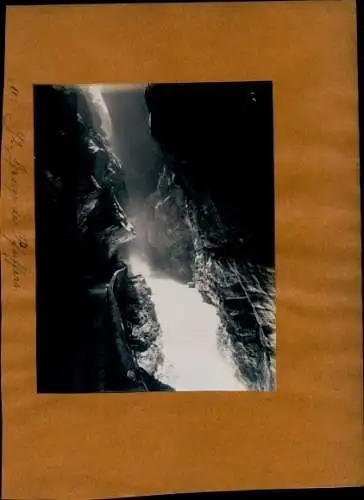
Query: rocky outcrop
{"x":168,"y":243}
{"x":218,"y":150}
{"x":96,"y":325}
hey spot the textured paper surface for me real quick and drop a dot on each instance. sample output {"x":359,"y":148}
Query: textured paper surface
{"x":309,"y":432}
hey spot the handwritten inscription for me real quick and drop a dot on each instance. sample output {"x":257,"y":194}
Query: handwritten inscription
{"x":14,"y":90}
{"x":18,"y":245}
{"x":15,"y":169}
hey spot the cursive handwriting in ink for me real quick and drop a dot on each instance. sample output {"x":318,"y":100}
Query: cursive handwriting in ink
{"x":18,"y":246}
{"x":15,"y":169}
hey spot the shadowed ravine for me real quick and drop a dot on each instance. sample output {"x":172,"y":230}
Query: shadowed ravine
{"x":155,"y":263}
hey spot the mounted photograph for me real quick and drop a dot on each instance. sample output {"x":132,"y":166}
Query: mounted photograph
{"x":155,"y":237}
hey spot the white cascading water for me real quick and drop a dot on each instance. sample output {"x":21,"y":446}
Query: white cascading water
{"x":193,"y":361}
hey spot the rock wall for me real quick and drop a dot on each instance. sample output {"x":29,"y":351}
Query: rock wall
{"x":217,"y":141}
{"x":96,"y":325}
{"x":168,"y":242}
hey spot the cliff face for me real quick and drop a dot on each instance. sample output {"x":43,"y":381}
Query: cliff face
{"x":168,"y":242}
{"x":96,"y":325}
{"x":218,"y":152}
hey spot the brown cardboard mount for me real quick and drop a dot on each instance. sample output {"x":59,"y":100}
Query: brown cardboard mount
{"x":309,"y":432}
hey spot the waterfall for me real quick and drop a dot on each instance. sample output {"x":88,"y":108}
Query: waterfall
{"x":193,"y":361}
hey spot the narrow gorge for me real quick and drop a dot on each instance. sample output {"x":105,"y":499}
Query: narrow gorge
{"x":155,"y":260}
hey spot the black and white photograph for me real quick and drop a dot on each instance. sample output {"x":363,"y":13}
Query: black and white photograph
{"x":155,"y":237}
